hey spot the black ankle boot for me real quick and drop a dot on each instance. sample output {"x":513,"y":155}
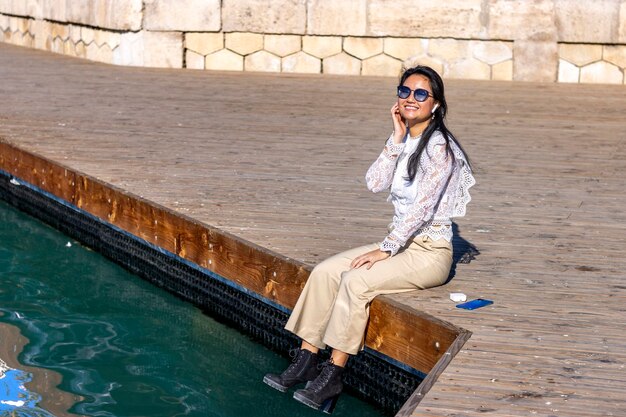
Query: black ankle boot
{"x":323,"y":391}
{"x":303,"y":368}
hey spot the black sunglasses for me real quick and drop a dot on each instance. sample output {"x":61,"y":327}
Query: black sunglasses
{"x":420,"y":94}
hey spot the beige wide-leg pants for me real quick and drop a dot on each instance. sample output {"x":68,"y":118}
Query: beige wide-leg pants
{"x":333,"y":308}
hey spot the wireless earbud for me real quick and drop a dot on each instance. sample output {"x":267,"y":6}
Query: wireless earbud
{"x":435,"y":107}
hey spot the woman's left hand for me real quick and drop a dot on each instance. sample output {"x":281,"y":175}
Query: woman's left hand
{"x":369,"y":259}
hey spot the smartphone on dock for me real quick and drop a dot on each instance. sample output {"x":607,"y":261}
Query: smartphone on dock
{"x":474,"y":304}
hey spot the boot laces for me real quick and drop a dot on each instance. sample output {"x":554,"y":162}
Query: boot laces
{"x":322,"y":380}
{"x":293,"y":354}
{"x":295,"y":360}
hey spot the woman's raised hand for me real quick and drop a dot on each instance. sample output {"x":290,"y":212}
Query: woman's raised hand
{"x":399,"y":125}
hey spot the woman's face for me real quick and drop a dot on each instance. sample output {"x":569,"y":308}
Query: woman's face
{"x":413,"y":111}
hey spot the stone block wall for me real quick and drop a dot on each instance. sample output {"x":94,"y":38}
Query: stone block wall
{"x":538,"y":40}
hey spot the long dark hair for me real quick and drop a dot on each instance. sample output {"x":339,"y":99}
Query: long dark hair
{"x":436,"y":123}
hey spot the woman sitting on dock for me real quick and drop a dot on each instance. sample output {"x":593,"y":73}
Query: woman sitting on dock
{"x":428,"y":175}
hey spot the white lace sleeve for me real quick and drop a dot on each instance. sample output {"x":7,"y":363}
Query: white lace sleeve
{"x":433,"y":175}
{"x":380,"y":174}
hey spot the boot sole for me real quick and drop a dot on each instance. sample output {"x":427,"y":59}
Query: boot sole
{"x":275,"y":385}
{"x":304,"y":400}
{"x":328,"y":406}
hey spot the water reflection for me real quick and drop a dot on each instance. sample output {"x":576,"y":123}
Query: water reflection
{"x":20,"y":385}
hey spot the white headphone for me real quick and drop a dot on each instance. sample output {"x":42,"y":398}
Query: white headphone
{"x":435,"y":107}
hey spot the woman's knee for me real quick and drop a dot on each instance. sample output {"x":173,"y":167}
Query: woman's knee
{"x":327,"y":269}
{"x":354,"y":285}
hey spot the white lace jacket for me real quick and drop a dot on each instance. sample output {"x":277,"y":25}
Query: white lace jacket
{"x":426,"y":205}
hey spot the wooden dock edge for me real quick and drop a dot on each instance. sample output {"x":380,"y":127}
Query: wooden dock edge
{"x":418,"y":395}
{"x":410,"y":337}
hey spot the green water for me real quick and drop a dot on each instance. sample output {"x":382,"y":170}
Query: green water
{"x":123,"y":347}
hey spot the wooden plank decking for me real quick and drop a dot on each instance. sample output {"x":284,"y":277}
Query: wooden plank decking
{"x":279,"y":160}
